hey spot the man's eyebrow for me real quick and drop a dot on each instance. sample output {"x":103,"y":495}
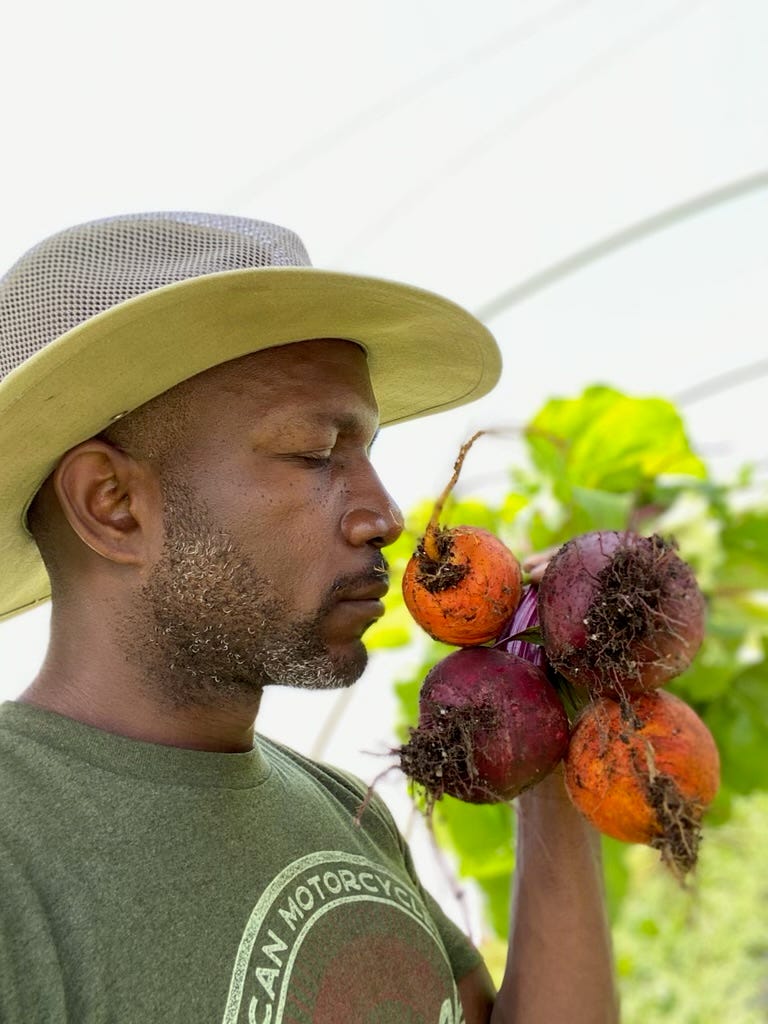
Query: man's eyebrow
{"x":352,"y":424}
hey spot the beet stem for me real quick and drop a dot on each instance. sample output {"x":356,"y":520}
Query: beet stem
{"x":432,"y":526}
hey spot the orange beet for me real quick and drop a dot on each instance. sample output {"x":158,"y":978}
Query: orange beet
{"x":644,"y":771}
{"x":462,"y":585}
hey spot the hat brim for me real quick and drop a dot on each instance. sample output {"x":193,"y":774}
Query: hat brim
{"x":425,"y":355}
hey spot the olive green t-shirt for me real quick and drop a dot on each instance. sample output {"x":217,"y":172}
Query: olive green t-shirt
{"x":145,"y":883}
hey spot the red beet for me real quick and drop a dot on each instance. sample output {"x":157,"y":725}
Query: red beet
{"x":620,"y":613}
{"x":490,"y":725}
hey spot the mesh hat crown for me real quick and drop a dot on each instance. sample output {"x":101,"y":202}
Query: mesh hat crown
{"x":83,"y":271}
{"x":100,"y":318}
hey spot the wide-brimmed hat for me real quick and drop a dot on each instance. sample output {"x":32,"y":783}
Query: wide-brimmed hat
{"x":100,"y":318}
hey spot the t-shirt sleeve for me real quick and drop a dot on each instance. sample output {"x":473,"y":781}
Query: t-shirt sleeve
{"x":463,"y":955}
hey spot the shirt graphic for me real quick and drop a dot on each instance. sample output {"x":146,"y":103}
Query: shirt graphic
{"x":338,"y":938}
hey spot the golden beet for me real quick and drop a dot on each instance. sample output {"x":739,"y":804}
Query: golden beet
{"x":644,"y":771}
{"x":462,"y":585}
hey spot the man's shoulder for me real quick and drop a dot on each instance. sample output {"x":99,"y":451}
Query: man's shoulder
{"x":339,"y":781}
{"x":357,"y":797}
{"x":32,"y":775}
{"x":17,"y":752}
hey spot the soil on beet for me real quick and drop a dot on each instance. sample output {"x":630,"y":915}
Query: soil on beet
{"x":441,"y":573}
{"x":440,"y":760}
{"x":678,"y":819}
{"x":627,"y":615}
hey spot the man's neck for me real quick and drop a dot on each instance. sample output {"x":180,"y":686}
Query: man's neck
{"x":88,"y":679}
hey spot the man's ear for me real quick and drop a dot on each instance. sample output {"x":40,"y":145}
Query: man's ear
{"x":110,"y":500}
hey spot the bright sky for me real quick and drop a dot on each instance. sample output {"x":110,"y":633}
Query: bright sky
{"x":459,"y":147}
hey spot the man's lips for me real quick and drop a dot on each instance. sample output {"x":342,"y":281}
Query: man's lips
{"x":365,"y":591}
{"x":365,"y":600}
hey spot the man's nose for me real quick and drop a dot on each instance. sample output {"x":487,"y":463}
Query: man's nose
{"x":377,"y":526}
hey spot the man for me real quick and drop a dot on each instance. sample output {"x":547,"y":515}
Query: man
{"x":186,"y":421}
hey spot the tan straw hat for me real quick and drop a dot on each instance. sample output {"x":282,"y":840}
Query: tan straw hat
{"x":100,"y":318}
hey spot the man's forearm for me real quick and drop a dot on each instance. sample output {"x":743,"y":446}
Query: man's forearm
{"x":560,"y":965}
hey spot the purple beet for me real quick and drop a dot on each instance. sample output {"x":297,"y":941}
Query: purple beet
{"x":490,"y":725}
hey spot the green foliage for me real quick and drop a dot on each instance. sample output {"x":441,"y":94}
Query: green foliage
{"x":606,"y":460}
{"x":487,"y":855}
{"x":745,"y":549}
{"x":696,"y":955}
{"x":699,"y":955}
{"x":739,"y":721}
{"x":607,"y":441}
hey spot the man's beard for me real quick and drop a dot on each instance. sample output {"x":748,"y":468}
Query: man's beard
{"x":215,"y":632}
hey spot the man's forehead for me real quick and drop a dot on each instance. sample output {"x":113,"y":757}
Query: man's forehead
{"x":280,"y":362}
{"x":318,"y":381}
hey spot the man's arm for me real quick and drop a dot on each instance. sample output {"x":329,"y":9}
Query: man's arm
{"x":559,"y":966}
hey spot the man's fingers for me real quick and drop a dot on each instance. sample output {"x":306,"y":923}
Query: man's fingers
{"x":537,"y":572}
{"x":536,"y":564}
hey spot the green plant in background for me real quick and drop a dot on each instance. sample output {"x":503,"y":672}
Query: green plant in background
{"x":605,"y":460}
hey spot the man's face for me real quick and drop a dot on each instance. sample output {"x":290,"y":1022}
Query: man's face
{"x":273,"y":527}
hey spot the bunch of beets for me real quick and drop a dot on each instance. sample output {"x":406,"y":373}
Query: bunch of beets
{"x":614,"y":617}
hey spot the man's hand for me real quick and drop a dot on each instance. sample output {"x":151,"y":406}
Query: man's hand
{"x":534,"y":565}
